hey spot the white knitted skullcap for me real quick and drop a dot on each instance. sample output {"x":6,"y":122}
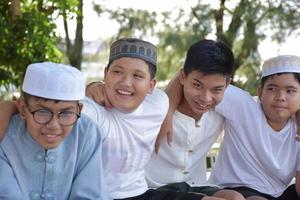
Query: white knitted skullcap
{"x":54,"y":81}
{"x":281,"y":64}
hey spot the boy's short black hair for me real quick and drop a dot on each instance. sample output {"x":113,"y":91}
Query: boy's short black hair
{"x":209,"y":57}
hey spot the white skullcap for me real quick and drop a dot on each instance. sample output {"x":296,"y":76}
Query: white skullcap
{"x":54,"y":81}
{"x":281,"y":64}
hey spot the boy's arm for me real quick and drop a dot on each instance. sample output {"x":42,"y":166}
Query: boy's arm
{"x":298,"y":125}
{"x":298,"y":182}
{"x":7,"y":110}
{"x":9,"y":188}
{"x":175,"y":94}
{"x":95,"y":91}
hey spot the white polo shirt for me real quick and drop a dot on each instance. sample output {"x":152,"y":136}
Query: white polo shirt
{"x":128,"y":141}
{"x":185,"y":159}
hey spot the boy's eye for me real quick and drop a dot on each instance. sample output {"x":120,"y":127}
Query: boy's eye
{"x":138,"y":76}
{"x":117,"y":71}
{"x":218,"y":90}
{"x":271,"y":89}
{"x":197,"y":85}
{"x":291,"y":91}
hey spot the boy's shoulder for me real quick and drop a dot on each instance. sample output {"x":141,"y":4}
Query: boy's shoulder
{"x":158,"y":96}
{"x":16,"y":126}
{"x":84,"y":124}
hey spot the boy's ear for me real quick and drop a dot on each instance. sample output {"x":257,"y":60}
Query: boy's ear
{"x":21,"y":106}
{"x":228,"y":81}
{"x":181,"y":76}
{"x":105,"y":72}
{"x":152,"y":85}
{"x":80,"y":106}
{"x":259,"y":91}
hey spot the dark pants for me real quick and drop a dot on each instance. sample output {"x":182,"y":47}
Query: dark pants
{"x":166,"y":195}
{"x":289,"y":194}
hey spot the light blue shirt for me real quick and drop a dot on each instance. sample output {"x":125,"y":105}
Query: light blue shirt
{"x":73,"y":170}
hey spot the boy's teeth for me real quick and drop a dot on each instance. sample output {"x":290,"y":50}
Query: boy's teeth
{"x":51,"y":136}
{"x":124,"y":92}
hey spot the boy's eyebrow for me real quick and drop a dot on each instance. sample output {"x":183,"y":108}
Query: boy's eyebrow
{"x":122,"y":67}
{"x":66,"y":108}
{"x":218,"y":86}
{"x":276,"y":85}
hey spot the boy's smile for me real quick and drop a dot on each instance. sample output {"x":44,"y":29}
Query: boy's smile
{"x":49,"y":135}
{"x":127,"y":82}
{"x":201,"y":92}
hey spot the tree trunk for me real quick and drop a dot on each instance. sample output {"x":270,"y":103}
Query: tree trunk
{"x":74,"y":51}
{"x":76,"y":57}
{"x":15,"y":9}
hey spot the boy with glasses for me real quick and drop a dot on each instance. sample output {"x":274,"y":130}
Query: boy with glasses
{"x":51,"y":151}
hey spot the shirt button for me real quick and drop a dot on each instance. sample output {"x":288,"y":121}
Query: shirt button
{"x":39,"y":157}
{"x":50,"y":158}
{"x":34,"y":195}
{"x":49,"y":196}
{"x":191,"y":151}
{"x":185,"y":172}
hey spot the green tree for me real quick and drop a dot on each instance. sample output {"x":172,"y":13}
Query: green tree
{"x":242,"y":25}
{"x":27,"y":35}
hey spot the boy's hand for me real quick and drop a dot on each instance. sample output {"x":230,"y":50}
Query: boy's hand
{"x":166,"y":129}
{"x":7,"y":109}
{"x":96,"y":92}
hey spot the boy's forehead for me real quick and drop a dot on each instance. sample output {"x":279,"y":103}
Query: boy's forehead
{"x":59,"y":104}
{"x":282,"y":80}
{"x":133,"y":63}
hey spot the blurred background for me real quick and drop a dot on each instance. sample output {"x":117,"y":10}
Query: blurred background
{"x":79,"y":32}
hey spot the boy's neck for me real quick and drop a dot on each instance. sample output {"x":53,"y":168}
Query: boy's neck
{"x":276,"y":126}
{"x":184,"y":108}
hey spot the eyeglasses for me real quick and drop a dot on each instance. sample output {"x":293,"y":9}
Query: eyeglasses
{"x":44,"y":116}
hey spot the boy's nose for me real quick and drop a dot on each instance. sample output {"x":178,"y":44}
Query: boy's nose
{"x":280,"y":96}
{"x":53,"y":123}
{"x":206,"y":96}
{"x":126,"y":80}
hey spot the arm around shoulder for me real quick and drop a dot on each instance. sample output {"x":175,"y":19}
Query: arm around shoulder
{"x":7,"y":110}
{"x":298,"y":182}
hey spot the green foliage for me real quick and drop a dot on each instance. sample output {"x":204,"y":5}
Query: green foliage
{"x":242,"y":26}
{"x":30,"y":38}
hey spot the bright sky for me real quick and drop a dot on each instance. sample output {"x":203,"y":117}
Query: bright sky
{"x":96,"y":27}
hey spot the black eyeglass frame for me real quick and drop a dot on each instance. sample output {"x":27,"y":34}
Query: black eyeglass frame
{"x":52,"y":115}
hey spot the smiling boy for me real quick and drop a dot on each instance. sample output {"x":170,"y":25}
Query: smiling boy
{"x":50,"y":151}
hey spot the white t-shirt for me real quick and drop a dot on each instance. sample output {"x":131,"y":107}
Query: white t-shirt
{"x":128,"y":141}
{"x":252,"y":153}
{"x":185,"y":159}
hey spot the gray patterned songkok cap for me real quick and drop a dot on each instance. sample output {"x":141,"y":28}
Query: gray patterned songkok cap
{"x":135,"y":48}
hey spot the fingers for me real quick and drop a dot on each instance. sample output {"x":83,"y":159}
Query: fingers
{"x":107,"y":103}
{"x":297,"y":137}
{"x":170,"y":137}
{"x":95,"y":91}
{"x":157,"y":144}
